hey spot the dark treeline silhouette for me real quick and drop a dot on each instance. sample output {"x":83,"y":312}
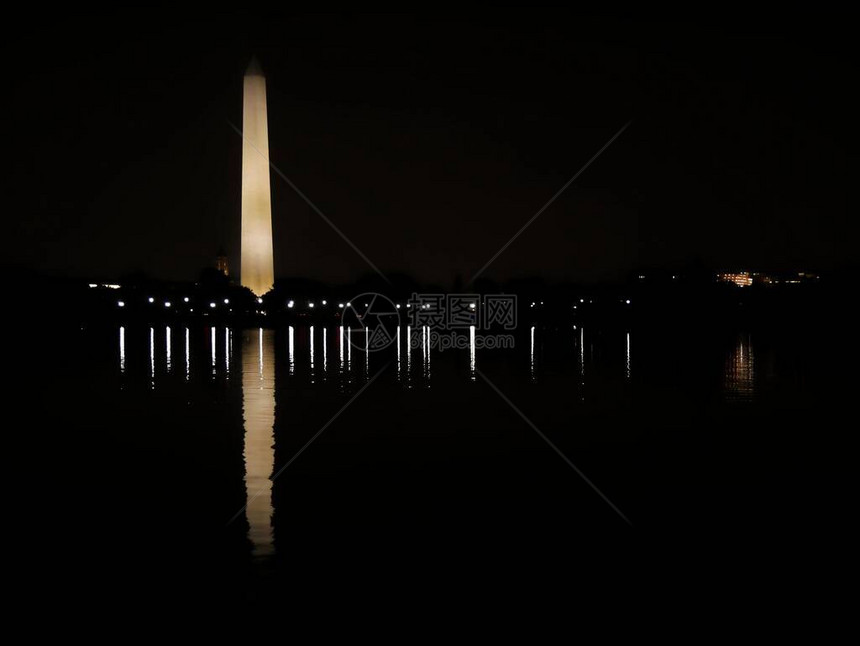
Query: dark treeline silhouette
{"x":683,"y":296}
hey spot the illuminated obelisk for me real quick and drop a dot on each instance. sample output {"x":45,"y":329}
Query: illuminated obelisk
{"x":257,"y":265}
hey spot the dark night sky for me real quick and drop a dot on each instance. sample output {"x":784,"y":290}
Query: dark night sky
{"x":429,"y":142}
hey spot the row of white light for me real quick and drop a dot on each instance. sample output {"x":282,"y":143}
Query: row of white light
{"x":291,"y":304}
{"x":311,"y":305}
{"x":582,"y":300}
{"x":185,"y":299}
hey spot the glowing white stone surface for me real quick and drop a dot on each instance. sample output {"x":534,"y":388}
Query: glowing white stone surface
{"x":257,"y":266}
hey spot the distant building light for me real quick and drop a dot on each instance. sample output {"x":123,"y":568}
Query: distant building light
{"x":349,"y":304}
{"x":226,"y":301}
{"x":325,"y":302}
{"x":120,"y":303}
{"x":397,"y":306}
{"x":471,"y":306}
{"x":581,"y":300}
{"x":259,"y":300}
{"x":310,"y":304}
{"x":741,"y":279}
{"x":185,"y":299}
{"x":151,"y":299}
{"x":627,"y":301}
{"x":167,"y":304}
{"x":340,"y":305}
{"x":290,"y":304}
{"x":111,"y":286}
{"x":211,"y":304}
{"x":93,"y":285}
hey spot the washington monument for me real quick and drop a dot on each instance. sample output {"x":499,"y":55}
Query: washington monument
{"x":257,"y":265}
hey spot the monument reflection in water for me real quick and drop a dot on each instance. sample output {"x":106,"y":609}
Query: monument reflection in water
{"x":258,"y":409}
{"x":739,"y":371}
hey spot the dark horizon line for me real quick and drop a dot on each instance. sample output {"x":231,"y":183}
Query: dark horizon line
{"x":683,"y":272}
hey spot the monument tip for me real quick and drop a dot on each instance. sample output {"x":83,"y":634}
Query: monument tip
{"x":254,"y":68}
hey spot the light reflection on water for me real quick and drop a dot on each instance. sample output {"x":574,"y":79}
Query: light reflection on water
{"x":187,"y":354}
{"x":291,"y":349}
{"x":409,"y":356}
{"x":627,"y":362}
{"x":739,"y":373}
{"x":213,"y":351}
{"x":737,"y":377}
{"x":472,"y":362}
{"x":228,"y":343}
{"x":258,"y":407}
{"x":122,"y":350}
{"x":152,"y":357}
{"x":426,"y":334}
{"x":312,"y":353}
{"x":307,"y":363}
{"x":397,"y":345}
{"x":532,"y":352}
{"x":582,"y":364}
{"x":339,"y":347}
